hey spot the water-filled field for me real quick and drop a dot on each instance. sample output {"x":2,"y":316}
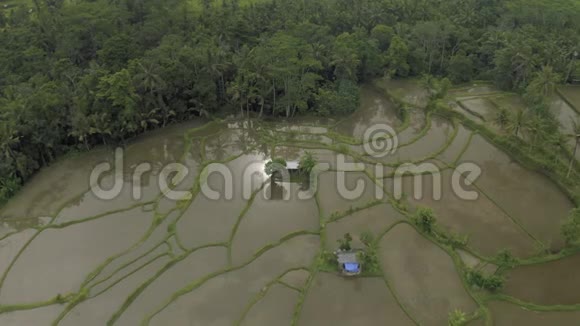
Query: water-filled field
{"x":68,"y":257}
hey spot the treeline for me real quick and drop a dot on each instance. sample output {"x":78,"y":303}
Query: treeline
{"x":76,"y":74}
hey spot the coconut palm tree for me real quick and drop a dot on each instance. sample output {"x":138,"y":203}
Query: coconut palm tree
{"x":545,"y":82}
{"x":576,"y":136}
{"x":345,"y":63}
{"x":149,"y":79}
{"x":8,"y":140}
{"x":502,"y":118}
{"x":536,"y":128}
{"x":518,"y":121}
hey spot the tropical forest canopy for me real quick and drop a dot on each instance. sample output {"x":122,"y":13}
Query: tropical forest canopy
{"x":80,"y":73}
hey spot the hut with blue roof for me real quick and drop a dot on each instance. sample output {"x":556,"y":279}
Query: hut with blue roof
{"x":348,"y":262}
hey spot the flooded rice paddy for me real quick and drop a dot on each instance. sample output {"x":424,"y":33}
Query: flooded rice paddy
{"x":70,"y":258}
{"x":482,"y":103}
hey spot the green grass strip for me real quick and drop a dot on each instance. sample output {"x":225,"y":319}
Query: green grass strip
{"x":30,"y":306}
{"x":146,"y":284}
{"x":199,"y":282}
{"x":532,"y":306}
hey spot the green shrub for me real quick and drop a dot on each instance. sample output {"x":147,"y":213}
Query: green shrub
{"x":506,"y":259}
{"x":340,"y":97}
{"x":457,"y":318}
{"x":344,"y":243}
{"x":275,"y":165}
{"x":327,"y":261}
{"x":477,"y":279}
{"x":307,"y":163}
{"x":425,"y":219}
{"x":493,"y":283}
{"x":342,"y":148}
{"x":455,"y":240}
{"x":8,"y":187}
{"x":370,"y":260}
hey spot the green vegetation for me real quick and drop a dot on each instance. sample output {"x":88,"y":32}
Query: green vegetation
{"x":490,"y":283}
{"x":274,"y":165}
{"x":457,"y":318}
{"x":425,"y":220}
{"x":71,"y":83}
{"x":576,"y":137}
{"x":506,"y":259}
{"x":454,"y":240}
{"x":436,"y":88}
{"x":307,"y":163}
{"x":345,"y":242}
{"x":571,"y":228}
{"x":369,"y":257}
{"x":327,"y":262}
{"x":79,"y":74}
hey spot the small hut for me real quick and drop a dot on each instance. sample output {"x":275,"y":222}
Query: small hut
{"x":293,"y":167}
{"x":348,"y":263}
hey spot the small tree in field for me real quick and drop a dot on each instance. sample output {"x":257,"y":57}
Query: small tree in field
{"x":275,"y":165}
{"x":457,"y":318}
{"x":490,"y":283}
{"x":307,"y":163}
{"x":370,"y":255}
{"x":344,"y":243}
{"x":502,"y":118}
{"x":425,"y":219}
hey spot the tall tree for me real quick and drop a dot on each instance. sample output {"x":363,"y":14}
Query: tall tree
{"x":576,"y":137}
{"x":544,"y":82}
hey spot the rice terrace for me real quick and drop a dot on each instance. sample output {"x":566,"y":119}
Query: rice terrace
{"x":266,"y":162}
{"x":262,"y":261}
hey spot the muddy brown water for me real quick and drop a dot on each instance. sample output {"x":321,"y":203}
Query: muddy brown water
{"x":526,"y":196}
{"x":275,"y":308}
{"x":222,"y":299}
{"x":481,"y":107}
{"x":136,"y":258}
{"x":333,"y":300}
{"x":375,"y":109}
{"x":506,"y":314}
{"x":479,"y":219}
{"x":374,"y":220}
{"x":423,"y":276}
{"x":409,"y":90}
{"x":572,"y":93}
{"x":433,"y":141}
{"x":552,"y":282}
{"x":71,"y":253}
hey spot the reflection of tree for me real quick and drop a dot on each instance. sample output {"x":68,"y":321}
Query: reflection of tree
{"x":218,"y":147}
{"x":195,"y":150}
{"x":305,"y":183}
{"x":21,"y":224}
{"x":288,"y":152}
{"x":247,"y":137}
{"x":276,"y":190}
